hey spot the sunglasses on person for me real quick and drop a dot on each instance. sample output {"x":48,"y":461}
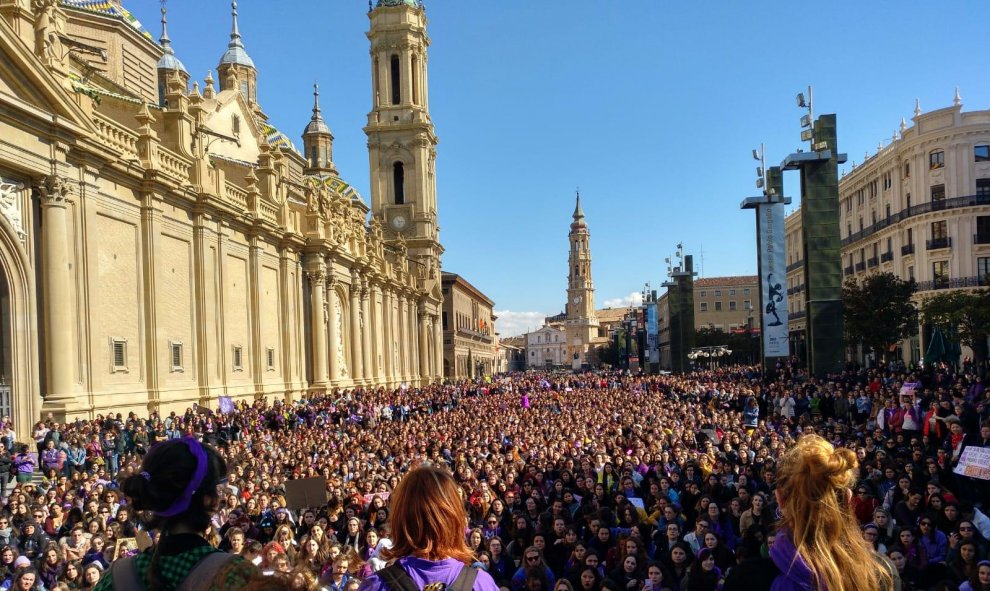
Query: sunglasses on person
{"x":532,"y":559}
{"x":925,"y":524}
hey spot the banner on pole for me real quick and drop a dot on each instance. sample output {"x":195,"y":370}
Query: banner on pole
{"x":652,"y":334}
{"x":773,"y":279}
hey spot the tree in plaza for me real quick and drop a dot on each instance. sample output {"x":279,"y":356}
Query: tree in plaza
{"x":879,"y":311}
{"x":964,"y":313}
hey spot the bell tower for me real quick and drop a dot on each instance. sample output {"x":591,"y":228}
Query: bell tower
{"x":581,"y":324}
{"x":401,"y":139}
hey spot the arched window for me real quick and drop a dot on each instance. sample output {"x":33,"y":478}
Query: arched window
{"x":314,"y":157}
{"x":395,"y":78}
{"x":398,"y":182}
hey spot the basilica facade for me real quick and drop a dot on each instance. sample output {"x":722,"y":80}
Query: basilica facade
{"x":162,"y":244}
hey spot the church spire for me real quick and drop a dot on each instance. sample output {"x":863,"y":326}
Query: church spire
{"x":168,"y":60}
{"x":318,"y":141}
{"x":578,"y":212}
{"x":236,"y":54}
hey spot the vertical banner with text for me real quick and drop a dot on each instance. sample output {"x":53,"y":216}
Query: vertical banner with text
{"x":652,"y":336}
{"x":773,"y":279}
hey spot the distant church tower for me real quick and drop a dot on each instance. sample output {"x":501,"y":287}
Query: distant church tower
{"x":581,"y":324}
{"x":401,"y":139}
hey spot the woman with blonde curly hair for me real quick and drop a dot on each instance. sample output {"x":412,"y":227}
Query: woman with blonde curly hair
{"x":428,"y":524}
{"x":818,"y":545}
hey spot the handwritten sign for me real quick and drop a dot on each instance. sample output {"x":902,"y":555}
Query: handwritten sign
{"x":975,"y":463}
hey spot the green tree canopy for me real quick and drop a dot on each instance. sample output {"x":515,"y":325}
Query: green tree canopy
{"x":963,"y":313}
{"x":879,"y":311}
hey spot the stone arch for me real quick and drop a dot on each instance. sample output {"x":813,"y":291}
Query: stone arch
{"x":21,"y":336}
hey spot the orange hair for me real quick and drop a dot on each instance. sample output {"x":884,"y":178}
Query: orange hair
{"x":813,"y":487}
{"x":428,"y":518}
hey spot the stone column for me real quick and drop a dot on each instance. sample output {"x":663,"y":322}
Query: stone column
{"x":366,"y":359}
{"x":317,"y":276}
{"x":332,"y":335}
{"x":400,"y":334}
{"x":385,"y":325}
{"x":57,"y":285}
{"x":413,"y":341}
{"x":424,"y":358}
{"x":377,"y":340}
{"x":357,"y":368}
{"x":438,"y":346}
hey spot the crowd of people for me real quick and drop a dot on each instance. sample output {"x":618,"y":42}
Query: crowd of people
{"x":569,"y":482}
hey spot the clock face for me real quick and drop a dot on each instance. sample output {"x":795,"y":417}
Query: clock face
{"x":399,"y":222}
{"x":576,"y":299}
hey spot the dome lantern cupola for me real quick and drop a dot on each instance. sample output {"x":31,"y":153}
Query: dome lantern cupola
{"x":318,"y":141}
{"x":236,"y":66}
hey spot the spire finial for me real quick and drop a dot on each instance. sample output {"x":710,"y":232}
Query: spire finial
{"x":164,"y":40}
{"x":235,"y":34}
{"x":578,"y":212}
{"x":957,"y":101}
{"x":316,"y":100}
{"x":917,"y":107}
{"x":903,"y":125}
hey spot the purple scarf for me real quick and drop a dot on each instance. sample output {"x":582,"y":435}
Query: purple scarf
{"x":795,"y":575}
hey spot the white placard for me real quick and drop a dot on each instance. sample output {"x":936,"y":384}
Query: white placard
{"x":974,"y":462}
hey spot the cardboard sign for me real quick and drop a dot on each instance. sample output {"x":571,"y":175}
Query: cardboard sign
{"x":142,"y":539}
{"x":974,"y":462}
{"x":305,"y":493}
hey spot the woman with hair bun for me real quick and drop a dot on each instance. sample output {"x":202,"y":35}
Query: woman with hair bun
{"x":176,"y":492}
{"x":818,"y":545}
{"x":428,"y":524}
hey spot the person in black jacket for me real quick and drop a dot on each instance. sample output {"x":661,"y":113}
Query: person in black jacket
{"x":6,"y":465}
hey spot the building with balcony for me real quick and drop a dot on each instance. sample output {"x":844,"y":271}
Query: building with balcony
{"x":919,"y":208}
{"x":469,"y":344}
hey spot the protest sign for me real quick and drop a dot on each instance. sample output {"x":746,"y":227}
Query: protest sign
{"x":975,"y":463}
{"x":306,"y":492}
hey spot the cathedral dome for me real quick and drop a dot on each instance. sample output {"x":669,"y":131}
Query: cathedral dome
{"x":317,"y":125}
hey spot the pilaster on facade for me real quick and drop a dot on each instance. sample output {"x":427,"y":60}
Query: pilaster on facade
{"x":53,"y":192}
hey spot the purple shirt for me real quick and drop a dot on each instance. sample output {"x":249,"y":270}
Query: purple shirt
{"x":425,"y":572}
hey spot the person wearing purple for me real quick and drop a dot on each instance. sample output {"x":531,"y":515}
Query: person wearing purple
{"x":818,"y":545}
{"x":429,"y":551}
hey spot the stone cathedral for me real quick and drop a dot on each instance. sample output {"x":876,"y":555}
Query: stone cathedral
{"x":162,"y":244}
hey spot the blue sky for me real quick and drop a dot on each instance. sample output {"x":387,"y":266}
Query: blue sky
{"x":651,"y":108}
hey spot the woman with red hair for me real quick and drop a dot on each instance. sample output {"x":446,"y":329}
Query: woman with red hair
{"x":428,"y":546}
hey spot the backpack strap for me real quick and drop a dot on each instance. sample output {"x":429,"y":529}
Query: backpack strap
{"x":124,"y":575}
{"x":465,"y":579}
{"x":397,"y":578}
{"x":202,"y":575}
